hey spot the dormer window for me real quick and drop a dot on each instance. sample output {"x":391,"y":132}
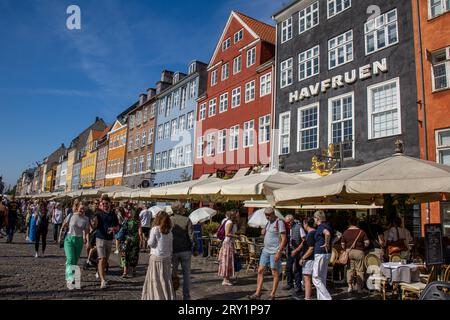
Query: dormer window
{"x":192,"y":68}
{"x":176,"y":78}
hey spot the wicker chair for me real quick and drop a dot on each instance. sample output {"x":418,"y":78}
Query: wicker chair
{"x":253,"y":257}
{"x":412,"y":291}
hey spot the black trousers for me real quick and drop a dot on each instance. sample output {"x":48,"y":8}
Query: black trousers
{"x":294,"y":272}
{"x":41,"y":233}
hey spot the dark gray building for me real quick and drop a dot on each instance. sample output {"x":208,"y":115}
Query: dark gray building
{"x":345,"y":75}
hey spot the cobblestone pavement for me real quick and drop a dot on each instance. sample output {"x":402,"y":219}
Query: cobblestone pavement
{"x":22,"y":276}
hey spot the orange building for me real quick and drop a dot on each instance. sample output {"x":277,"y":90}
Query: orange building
{"x":432,"y":42}
{"x":117,"y":138}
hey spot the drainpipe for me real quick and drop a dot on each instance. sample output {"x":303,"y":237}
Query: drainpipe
{"x":274,"y":160}
{"x":424,"y":114}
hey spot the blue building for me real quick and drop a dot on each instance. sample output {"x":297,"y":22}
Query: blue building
{"x":175,"y":125}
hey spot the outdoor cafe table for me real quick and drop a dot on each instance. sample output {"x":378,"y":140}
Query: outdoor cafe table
{"x":398,"y":272}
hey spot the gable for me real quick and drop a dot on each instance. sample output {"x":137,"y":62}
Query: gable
{"x":117,"y":126}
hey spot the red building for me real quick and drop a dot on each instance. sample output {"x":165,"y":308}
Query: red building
{"x":234,"y":115}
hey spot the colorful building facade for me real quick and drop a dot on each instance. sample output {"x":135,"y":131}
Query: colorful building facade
{"x":102,"y":158}
{"x":89,"y":160}
{"x":234,"y":115}
{"x":115,"y":160}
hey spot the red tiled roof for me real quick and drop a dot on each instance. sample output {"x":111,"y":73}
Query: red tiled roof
{"x":104,"y":133}
{"x":265,"y":31}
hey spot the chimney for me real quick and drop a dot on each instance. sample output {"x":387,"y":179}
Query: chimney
{"x":151,"y":93}
{"x":97,"y":119}
{"x":142,"y":99}
{"x":167,"y":76}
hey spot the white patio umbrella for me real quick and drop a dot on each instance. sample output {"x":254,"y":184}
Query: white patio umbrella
{"x":201,"y":215}
{"x":155,"y":210}
{"x":113,"y":190}
{"x":259,"y":220}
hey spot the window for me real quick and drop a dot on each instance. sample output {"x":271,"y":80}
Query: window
{"x":128,"y":166}
{"x":139,"y":118}
{"x":286,"y":30}
{"x":249,"y":133}
{"x":152,"y":110}
{"x":340,"y":50}
{"x":443,"y":146}
{"x":176,"y":99}
{"x":132,"y":118}
{"x":223,"y":106}
{"x":130,"y":144}
{"x":437,"y":7}
{"x":166,"y":130}
{"x":162,"y":106}
{"x":214,"y":78}
{"x":337,"y":6}
{"x":340,"y":119}
{"x":212,"y":107}
{"x":381,"y":32}
{"x":144,"y":139}
{"x":210,"y":144}
{"x":193,"y":89}
{"x":308,"y":18}
{"x":188,"y":154}
{"x":308,"y":63}
{"x":222,"y":141}
{"x":190,"y":117}
{"x":285,"y":131}
{"x":172,"y":163}
{"x":182,"y":123}
{"x":226,"y":44}
{"x":238,"y":35}
{"x":141,"y":164}
{"x":234,"y":138}
{"x":236,"y":97}
{"x":149,"y":161}
{"x":160,"y":132}
{"x":225,"y":72}
{"x":264,"y":129}
{"x":384,"y":109}
{"x":169,"y":105}
{"x":440,"y":69}
{"x":179,"y":161}
{"x":237,"y":65}
{"x":202,"y":114}
{"x":183,"y":98}
{"x":164,"y":163}
{"x":265,"y":87}
{"x":200,"y":147}
{"x":250,"y":91}
{"x":192,"y":68}
{"x":308,"y":128}
{"x":286,"y":75}
{"x":150,"y":135}
{"x":158,"y":162}
{"x":145,"y":114}
{"x":137,"y":142}
{"x":135,"y":165}
{"x":251,"y":57}
{"x":174,"y":127}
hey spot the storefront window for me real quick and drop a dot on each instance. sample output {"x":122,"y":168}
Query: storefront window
{"x":445,"y":207}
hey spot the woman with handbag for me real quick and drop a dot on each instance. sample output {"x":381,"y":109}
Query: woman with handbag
{"x":130,"y":239}
{"x":226,"y":253}
{"x":398,"y":239}
{"x":354,"y":241}
{"x":74,"y":234}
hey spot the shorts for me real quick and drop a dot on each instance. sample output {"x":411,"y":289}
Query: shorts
{"x":308,"y":267}
{"x":269,"y":259}
{"x":146,"y":231}
{"x":93,"y":239}
{"x":103,"y":248}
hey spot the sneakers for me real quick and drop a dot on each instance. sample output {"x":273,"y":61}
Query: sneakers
{"x":36,"y":255}
{"x":103,"y":285}
{"x":226,"y":283}
{"x":96,"y":275}
{"x":349,"y":289}
{"x":70,"y":285}
{"x":116,"y":252}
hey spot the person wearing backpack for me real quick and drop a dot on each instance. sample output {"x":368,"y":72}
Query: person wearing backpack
{"x":227,"y":232}
{"x":275,"y":242}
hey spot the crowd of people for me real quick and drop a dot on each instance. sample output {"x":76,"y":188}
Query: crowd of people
{"x":96,"y":225}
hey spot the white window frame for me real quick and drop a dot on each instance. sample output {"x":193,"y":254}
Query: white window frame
{"x":287,"y":133}
{"x":137,"y":141}
{"x":149,"y":161}
{"x":225,"y":72}
{"x":441,"y":147}
{"x":188,"y":154}
{"x":300,"y":130}
{"x":240,"y":36}
{"x":179,"y":160}
{"x":151,"y":134}
{"x":265,"y":84}
{"x":135,"y":165}
{"x":334,"y":2}
{"x":250,"y":91}
{"x":310,"y":57}
{"x":443,"y":4}
{"x":182,"y":123}
{"x":141,"y":164}
{"x":202,"y":113}
{"x":160,"y":132}
{"x":212,"y":107}
{"x":331,"y":122}
{"x":171,"y":154}
{"x":264,"y":129}
{"x":236,"y":97}
{"x":213,"y":77}
{"x":190,"y":119}
{"x":166,"y":130}
{"x":226,"y":44}
{"x":385,"y":26}
{"x":144,"y":139}
{"x":347,"y":40}
{"x":370,"y":104}
{"x":210,"y":144}
{"x":200,"y":147}
{"x":311,"y":12}
{"x":129,"y":166}
{"x":446,"y":63}
{"x":173,"y":127}
{"x":234,"y":138}
{"x":237,"y":65}
{"x":286,"y":72}
{"x":249,"y":134}
{"x":158,"y":162}
{"x":286,"y":30}
{"x":222,"y":141}
{"x":223,"y":104}
{"x":251,"y":57}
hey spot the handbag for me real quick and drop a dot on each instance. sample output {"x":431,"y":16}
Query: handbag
{"x":120,"y":236}
{"x":66,"y":231}
{"x":343,"y":258}
{"x":397,"y":246}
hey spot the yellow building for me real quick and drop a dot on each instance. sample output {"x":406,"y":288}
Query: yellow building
{"x":50,"y":177}
{"x":89,"y":160}
{"x":70,"y":162}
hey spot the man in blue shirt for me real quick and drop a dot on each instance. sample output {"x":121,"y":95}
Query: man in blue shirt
{"x":322,"y":254}
{"x":274,"y":244}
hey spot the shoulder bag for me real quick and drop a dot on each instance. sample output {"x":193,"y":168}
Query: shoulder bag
{"x":61,"y":243}
{"x":343,"y":259}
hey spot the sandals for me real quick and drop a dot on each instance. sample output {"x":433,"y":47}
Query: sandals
{"x":254,"y":297}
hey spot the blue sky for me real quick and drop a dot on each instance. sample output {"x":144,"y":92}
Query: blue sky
{"x":55,"y":81}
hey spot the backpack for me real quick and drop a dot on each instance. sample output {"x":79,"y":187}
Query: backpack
{"x":221,"y":231}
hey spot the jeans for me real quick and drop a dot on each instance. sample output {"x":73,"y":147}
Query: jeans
{"x":319,"y":279}
{"x":56,"y":229}
{"x":11,"y":228}
{"x":294,"y":272}
{"x":185,"y":259}
{"x":41,"y":232}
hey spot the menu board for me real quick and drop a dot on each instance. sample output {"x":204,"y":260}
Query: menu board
{"x":434,"y":253}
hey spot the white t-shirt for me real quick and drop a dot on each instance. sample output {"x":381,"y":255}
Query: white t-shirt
{"x":146,"y":218}
{"x":161,"y":244}
{"x":233,"y":229}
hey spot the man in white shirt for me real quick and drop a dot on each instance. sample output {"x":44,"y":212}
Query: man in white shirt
{"x":146,"y":223}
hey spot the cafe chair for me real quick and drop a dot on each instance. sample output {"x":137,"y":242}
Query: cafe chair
{"x":412,"y":291}
{"x":253,"y":257}
{"x":395,"y":257}
{"x":376,"y":280}
{"x":446,"y":277}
